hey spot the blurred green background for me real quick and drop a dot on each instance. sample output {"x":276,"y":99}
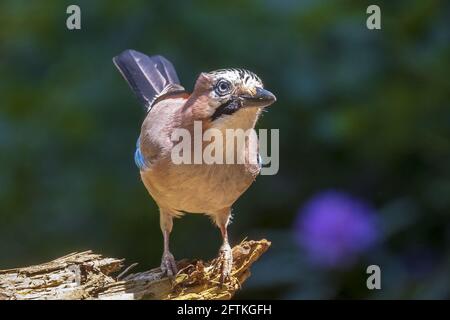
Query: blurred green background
{"x":360,"y":111}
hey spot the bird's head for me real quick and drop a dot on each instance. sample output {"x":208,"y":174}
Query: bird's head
{"x":222,"y":93}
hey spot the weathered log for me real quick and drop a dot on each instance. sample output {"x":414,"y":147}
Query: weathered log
{"x":86,"y":275}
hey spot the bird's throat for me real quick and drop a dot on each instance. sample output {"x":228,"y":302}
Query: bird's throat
{"x":242,"y":118}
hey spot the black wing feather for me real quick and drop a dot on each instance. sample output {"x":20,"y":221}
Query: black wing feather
{"x":147,"y":76}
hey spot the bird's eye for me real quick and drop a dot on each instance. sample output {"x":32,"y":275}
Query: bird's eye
{"x":223,"y":87}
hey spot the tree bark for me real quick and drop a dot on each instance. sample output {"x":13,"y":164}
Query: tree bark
{"x":86,"y":275}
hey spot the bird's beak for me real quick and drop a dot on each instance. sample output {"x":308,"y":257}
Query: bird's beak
{"x":261,"y":98}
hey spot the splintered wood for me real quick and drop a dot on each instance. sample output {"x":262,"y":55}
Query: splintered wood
{"x":86,"y":275}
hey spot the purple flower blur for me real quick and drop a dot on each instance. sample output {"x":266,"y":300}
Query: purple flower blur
{"x":335,"y":228}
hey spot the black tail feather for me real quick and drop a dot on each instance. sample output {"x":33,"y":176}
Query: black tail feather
{"x":147,"y":76}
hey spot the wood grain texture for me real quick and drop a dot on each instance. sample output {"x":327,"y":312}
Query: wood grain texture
{"x":86,"y":275}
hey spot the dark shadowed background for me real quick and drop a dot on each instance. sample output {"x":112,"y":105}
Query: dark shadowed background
{"x":364,"y":125}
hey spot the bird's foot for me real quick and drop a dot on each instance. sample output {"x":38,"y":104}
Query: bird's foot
{"x":226,"y":262}
{"x":168,"y":264}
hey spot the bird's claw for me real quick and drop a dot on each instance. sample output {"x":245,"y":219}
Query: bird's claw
{"x":226,"y":262}
{"x":168,"y":264}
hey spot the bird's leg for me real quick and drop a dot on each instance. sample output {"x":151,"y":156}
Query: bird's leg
{"x":225,"y":253}
{"x":168,"y":264}
{"x":226,"y":256}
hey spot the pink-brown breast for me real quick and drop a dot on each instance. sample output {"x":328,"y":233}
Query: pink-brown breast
{"x":195,"y":188}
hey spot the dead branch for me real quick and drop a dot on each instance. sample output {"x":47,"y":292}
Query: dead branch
{"x":86,"y":275}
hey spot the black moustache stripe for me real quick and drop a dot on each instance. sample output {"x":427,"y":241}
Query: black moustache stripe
{"x":227,"y":108}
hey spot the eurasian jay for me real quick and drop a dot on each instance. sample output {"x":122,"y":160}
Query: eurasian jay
{"x":222,"y":99}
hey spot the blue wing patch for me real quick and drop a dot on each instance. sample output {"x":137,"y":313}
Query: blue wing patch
{"x":139,"y":158}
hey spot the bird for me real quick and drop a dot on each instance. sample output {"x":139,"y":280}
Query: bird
{"x":231,"y":98}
